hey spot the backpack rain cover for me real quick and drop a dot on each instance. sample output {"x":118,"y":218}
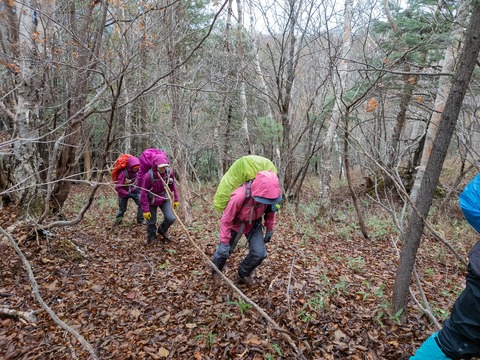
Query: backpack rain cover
{"x":241,"y":171}
{"x":119,"y":165}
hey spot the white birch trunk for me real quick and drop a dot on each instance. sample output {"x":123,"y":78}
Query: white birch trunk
{"x":30,"y":52}
{"x":339,"y":84}
{"x":218,"y":123}
{"x":128,"y":121}
{"x":243,"y":97}
{"x":444,"y":86}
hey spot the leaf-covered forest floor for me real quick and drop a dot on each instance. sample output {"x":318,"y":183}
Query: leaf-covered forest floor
{"x":322,"y":283}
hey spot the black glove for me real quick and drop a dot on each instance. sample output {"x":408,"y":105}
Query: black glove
{"x":268,"y":236}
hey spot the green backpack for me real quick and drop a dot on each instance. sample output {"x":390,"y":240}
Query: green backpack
{"x":241,"y":171}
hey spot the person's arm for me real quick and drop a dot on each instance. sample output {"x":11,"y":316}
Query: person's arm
{"x":173,"y":187}
{"x":144,"y":202}
{"x":270,"y":218}
{"x":233,"y":207}
{"x":120,"y":187}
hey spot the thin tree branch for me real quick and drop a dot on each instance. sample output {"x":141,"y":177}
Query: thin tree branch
{"x":285,"y":333}
{"x":39,"y":298}
{"x":29,"y":316}
{"x":426,"y":308}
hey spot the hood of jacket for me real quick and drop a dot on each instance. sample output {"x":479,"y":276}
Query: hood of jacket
{"x":266,"y":185}
{"x":132,"y":161}
{"x":159,"y":159}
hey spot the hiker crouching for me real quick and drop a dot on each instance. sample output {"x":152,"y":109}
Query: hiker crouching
{"x":249,"y":206}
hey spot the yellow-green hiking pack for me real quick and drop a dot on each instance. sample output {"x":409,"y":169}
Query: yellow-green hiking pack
{"x":241,"y":171}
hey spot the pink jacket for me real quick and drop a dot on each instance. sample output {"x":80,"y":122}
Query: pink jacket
{"x":156,"y":186}
{"x":239,"y":208}
{"x":127,"y":179}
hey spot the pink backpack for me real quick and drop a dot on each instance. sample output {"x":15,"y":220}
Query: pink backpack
{"x":146,"y":162}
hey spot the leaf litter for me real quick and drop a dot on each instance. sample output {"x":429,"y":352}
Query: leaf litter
{"x":331,"y":293}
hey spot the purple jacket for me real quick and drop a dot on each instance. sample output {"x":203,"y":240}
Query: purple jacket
{"x":153,"y":192}
{"x":239,"y":209}
{"x":127,"y":179}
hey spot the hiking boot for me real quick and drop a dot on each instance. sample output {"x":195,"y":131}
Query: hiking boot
{"x":117,"y":221}
{"x":151,"y":241}
{"x":165,"y":235}
{"x":216,"y":276}
{"x":246,"y":280}
{"x":142,"y":222}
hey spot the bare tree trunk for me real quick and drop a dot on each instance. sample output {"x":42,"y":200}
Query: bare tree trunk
{"x":143,"y":142}
{"x":446,"y":128}
{"x":444,"y":85}
{"x":27,"y":34}
{"x":222,"y":149}
{"x":87,"y":155}
{"x":290,"y":66}
{"x":243,"y":97}
{"x":408,"y":87}
{"x":128,"y":123}
{"x":409,"y":84}
{"x":66,"y":162}
{"x":181,"y":158}
{"x":127,"y":148}
{"x":340,"y":79}
{"x":358,"y":208}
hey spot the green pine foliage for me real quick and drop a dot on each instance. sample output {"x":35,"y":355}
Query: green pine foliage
{"x":423,"y":27}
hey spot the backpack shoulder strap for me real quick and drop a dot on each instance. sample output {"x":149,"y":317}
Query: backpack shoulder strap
{"x":169,"y":177}
{"x":247,"y":187}
{"x":150,"y":172}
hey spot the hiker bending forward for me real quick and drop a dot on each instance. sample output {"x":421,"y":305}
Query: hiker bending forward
{"x":153,"y":196}
{"x":126,"y":188}
{"x":247,"y":206}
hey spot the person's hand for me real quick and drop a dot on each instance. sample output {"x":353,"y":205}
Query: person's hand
{"x":147,"y":215}
{"x":175,"y":205}
{"x":224,"y":250}
{"x":268,"y":236}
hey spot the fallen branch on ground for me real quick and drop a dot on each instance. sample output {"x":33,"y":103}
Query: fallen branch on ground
{"x":284,"y":333}
{"x":39,"y":298}
{"x":29,"y":316}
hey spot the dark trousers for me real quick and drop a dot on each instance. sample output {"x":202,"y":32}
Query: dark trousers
{"x":168,"y":219}
{"x":256,"y":254}
{"x":123,"y":203}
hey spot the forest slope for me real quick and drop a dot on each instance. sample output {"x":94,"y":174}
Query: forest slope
{"x":322,"y":282}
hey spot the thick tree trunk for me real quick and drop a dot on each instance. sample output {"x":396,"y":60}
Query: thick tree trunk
{"x":414,"y":231}
{"x":290,"y":65}
{"x":27,"y":30}
{"x":222,"y":142}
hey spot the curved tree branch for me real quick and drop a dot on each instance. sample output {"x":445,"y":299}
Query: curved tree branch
{"x":39,"y":298}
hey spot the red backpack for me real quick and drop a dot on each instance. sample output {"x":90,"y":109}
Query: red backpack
{"x":119,"y":165}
